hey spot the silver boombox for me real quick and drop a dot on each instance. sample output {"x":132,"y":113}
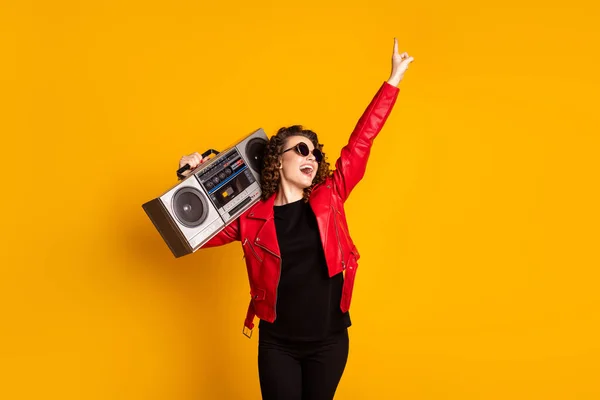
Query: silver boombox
{"x":212,"y":196}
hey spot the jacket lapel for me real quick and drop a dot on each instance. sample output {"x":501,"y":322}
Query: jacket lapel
{"x":266,"y":236}
{"x":321,"y":204}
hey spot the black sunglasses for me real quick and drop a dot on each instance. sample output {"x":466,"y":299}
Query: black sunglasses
{"x":302,"y":149}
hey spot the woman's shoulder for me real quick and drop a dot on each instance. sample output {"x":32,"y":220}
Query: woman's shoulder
{"x":325,"y":184}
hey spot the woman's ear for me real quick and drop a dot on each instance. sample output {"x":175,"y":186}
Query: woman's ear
{"x":280,"y":166}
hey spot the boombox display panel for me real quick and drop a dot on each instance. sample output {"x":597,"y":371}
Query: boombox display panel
{"x":229,"y":184}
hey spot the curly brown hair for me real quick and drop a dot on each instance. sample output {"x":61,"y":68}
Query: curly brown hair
{"x":270,"y":169}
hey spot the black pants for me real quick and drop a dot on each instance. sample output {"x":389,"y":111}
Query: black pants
{"x":301,"y":370}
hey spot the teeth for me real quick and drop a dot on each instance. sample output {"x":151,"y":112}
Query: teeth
{"x":306,"y":167}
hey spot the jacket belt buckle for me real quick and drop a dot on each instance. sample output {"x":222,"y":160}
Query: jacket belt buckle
{"x":245,"y":331}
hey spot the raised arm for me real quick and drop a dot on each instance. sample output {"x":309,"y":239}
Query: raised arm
{"x":352,"y":163}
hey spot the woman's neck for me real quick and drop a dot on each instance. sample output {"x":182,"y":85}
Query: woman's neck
{"x":287,"y":194}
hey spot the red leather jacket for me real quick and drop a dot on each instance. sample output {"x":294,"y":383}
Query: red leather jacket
{"x":256,"y":227}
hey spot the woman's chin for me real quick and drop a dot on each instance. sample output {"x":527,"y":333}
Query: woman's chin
{"x":308,"y":181}
{"x":303,"y":182}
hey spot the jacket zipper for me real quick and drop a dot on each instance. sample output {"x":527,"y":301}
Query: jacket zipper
{"x":252,"y":250}
{"x":278,"y":278}
{"x":337,"y":234}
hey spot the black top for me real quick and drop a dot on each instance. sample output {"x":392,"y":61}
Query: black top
{"x":308,"y":300}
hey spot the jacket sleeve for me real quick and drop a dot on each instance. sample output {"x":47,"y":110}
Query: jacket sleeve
{"x":229,"y":234}
{"x":350,"y":167}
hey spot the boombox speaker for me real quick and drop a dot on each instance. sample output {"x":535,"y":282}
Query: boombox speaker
{"x":211,"y":197}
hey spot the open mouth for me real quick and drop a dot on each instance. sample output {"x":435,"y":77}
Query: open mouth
{"x":306,"y":170}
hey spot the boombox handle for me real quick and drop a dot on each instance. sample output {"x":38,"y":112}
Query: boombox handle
{"x":181,"y":170}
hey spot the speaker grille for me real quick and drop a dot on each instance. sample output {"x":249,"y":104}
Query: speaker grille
{"x":190,"y":207}
{"x":255,"y":151}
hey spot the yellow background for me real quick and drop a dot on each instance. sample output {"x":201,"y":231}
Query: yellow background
{"x":477,"y":221}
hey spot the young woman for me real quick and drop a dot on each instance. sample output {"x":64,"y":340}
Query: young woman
{"x":300,"y":258}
